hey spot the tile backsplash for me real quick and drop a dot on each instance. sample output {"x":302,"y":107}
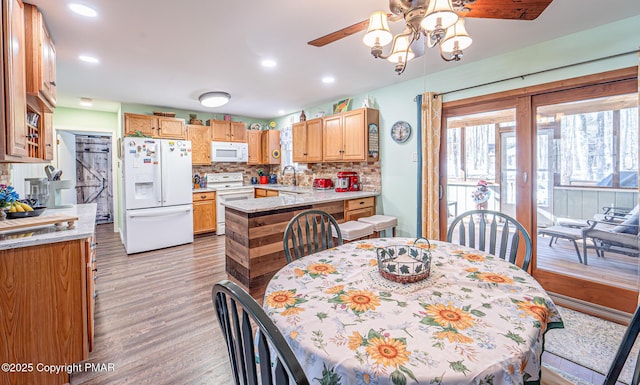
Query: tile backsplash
{"x":369,"y":172}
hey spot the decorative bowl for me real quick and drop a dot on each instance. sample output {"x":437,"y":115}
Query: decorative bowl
{"x":36,"y":212}
{"x":405,"y":263}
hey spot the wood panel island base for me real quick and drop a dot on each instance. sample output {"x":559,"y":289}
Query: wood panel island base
{"x":255,"y":228}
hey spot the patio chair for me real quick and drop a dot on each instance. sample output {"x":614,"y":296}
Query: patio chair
{"x":309,"y":232}
{"x":619,"y":238}
{"x":549,"y":377}
{"x":511,"y":233}
{"x":243,"y":321}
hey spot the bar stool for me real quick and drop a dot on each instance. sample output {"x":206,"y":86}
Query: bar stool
{"x":353,"y":230}
{"x":381,"y":223}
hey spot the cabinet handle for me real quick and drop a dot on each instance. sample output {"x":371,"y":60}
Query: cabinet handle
{"x":203,"y":196}
{"x":95,"y":294}
{"x":93,"y":259}
{"x":52,"y":83}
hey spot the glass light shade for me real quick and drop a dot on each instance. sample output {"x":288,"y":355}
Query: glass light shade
{"x":456,"y":38}
{"x":439,"y":14}
{"x":214,"y":99}
{"x":378,"y":30}
{"x":401,"y":50}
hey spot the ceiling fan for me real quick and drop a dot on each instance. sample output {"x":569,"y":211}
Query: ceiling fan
{"x":441,"y":22}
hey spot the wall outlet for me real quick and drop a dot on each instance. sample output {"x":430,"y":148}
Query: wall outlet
{"x":414,"y":157}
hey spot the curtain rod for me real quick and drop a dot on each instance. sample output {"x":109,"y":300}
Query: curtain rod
{"x":537,"y":72}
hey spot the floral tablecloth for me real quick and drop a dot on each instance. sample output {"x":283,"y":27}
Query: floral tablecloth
{"x":475,"y":320}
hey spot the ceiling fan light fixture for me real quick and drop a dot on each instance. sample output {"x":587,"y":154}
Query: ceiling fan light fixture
{"x":457,"y":38}
{"x":439,"y":14}
{"x":214,"y":98}
{"x":378,"y":32}
{"x":401,"y":52}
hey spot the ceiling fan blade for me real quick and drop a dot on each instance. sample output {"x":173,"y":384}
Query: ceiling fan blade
{"x":504,"y":9}
{"x":339,"y":34}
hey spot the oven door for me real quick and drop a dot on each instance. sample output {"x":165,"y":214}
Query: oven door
{"x":228,"y":196}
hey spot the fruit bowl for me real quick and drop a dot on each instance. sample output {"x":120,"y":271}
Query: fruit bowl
{"x":36,"y":212}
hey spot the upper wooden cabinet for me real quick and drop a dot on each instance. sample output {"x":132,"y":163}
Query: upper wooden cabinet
{"x":307,"y":141}
{"x":226,"y":131}
{"x":40,"y":58}
{"x":154,"y":126}
{"x":13,"y":109}
{"x":346,"y":136}
{"x":264,"y":147}
{"x":200,"y":137}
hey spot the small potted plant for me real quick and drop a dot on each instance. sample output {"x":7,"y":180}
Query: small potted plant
{"x":7,"y":197}
{"x":263,"y":176}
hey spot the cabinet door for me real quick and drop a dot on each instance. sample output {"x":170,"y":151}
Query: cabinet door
{"x":355,"y":138}
{"x":299,"y":142}
{"x":270,"y":143}
{"x":49,"y":70}
{"x":171,"y":128}
{"x":353,"y":215}
{"x":200,"y":144}
{"x":314,"y":140}
{"x":272,"y":193}
{"x":15,"y":87}
{"x":47,"y":142}
{"x":220,"y":130}
{"x":260,"y":193}
{"x":204,"y":216}
{"x":238,"y":132}
{"x":332,"y":139}
{"x":254,"y":139}
{"x":143,"y":123}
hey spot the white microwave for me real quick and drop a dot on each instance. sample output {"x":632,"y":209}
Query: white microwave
{"x":229,"y":152}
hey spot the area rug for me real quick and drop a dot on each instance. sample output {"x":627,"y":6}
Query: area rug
{"x":590,"y":342}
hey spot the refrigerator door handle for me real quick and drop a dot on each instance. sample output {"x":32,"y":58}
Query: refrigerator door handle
{"x":161,"y":214}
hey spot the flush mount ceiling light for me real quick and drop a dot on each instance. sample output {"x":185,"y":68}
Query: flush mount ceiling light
{"x":86,"y":102}
{"x":214,"y":99}
{"x":430,"y":23}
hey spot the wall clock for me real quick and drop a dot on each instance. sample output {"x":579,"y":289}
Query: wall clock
{"x":400,"y":131}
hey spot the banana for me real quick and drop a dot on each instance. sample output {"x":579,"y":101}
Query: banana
{"x":19,"y":208}
{"x":12,"y":208}
{"x":25,"y":206}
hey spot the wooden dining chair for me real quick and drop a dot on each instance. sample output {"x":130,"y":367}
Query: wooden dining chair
{"x":550,"y":377}
{"x":309,"y":232}
{"x":244,"y":324}
{"x":492,"y":232}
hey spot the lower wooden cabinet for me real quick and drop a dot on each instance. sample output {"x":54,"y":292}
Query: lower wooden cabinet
{"x":92,"y":277}
{"x":46,"y":307}
{"x":263,"y":193}
{"x":204,"y":212}
{"x":359,"y":208}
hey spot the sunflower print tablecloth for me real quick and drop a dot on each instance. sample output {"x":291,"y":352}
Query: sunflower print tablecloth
{"x":476,"y":320}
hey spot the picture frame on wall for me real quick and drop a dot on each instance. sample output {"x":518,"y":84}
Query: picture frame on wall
{"x":341,"y":106}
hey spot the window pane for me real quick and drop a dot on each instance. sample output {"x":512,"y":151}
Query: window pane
{"x":480,"y":151}
{"x":454,"y":154}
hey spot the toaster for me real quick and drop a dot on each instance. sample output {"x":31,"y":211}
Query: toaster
{"x":322,"y":183}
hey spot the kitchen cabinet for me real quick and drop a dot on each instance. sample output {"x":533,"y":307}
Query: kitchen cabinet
{"x":307,"y":141}
{"x":13,"y":106}
{"x":227,"y":131}
{"x":200,"y":137}
{"x":263,"y":193}
{"x":47,"y":309}
{"x":359,"y":208}
{"x":346,"y":136}
{"x":40,"y":59}
{"x":204,"y":212}
{"x":264,"y":147}
{"x":154,"y":126}
{"x":92,"y":276}
{"x":254,"y":141}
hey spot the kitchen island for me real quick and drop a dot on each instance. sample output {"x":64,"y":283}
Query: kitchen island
{"x":47,"y":296}
{"x":255,"y":227}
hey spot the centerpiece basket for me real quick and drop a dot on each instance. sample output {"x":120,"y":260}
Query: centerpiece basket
{"x":405,"y":263}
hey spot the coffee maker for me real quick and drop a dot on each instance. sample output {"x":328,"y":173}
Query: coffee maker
{"x":347,"y":181}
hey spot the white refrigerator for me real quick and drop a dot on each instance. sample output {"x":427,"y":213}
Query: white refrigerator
{"x":157,"y":193}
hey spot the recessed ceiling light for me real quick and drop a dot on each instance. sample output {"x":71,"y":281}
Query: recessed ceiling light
{"x":268,"y":63}
{"x":328,"y":79}
{"x":280,"y":112}
{"x":86,"y":102}
{"x":83,"y":10}
{"x":88,"y":59}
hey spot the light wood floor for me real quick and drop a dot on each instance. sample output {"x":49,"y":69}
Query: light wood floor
{"x":155,"y":320}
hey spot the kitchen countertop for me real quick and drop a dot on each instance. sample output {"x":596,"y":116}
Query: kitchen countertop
{"x":84,"y":228}
{"x":303,"y":196}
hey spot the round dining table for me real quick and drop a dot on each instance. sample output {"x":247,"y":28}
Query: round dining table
{"x":476,"y":319}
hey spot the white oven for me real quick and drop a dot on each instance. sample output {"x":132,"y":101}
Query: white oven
{"x":229,"y":152}
{"x":228,"y":195}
